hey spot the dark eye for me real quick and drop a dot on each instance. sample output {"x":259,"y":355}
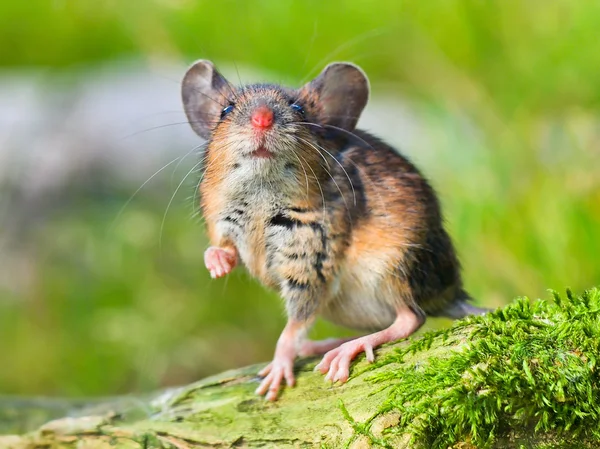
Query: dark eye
{"x":296,"y":107}
{"x":226,"y":110}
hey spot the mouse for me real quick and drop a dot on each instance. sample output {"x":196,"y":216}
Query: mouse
{"x":338,"y":222}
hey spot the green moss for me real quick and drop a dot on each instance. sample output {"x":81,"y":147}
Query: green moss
{"x":529,"y":365}
{"x":522,"y":377}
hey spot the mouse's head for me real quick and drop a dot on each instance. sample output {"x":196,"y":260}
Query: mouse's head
{"x":262,"y":124}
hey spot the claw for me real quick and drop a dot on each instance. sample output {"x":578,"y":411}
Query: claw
{"x":282,"y":367}
{"x":220,"y":261}
{"x":336,"y":363}
{"x":277,"y":371}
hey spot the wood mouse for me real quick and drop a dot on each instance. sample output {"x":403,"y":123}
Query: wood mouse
{"x":331,"y":217}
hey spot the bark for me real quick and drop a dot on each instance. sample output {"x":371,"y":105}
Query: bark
{"x":223,"y":412}
{"x":217,"y":412}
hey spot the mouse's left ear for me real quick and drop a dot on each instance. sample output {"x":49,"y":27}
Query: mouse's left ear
{"x":342,"y":91}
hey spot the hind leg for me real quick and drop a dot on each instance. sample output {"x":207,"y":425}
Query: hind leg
{"x":336,"y":363}
{"x":320,"y":347}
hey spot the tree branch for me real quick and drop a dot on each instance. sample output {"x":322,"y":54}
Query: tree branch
{"x":523,"y":376}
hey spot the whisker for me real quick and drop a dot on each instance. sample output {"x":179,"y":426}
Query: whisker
{"x":342,"y":167}
{"x":129,"y":136}
{"x":196,"y":209}
{"x":238,"y":73}
{"x":234,"y":95}
{"x":367,"y":177}
{"x":345,"y":131}
{"x":207,"y":96}
{"x":196,"y":194}
{"x":310,"y":45}
{"x":154,"y":114}
{"x":138,"y":119}
{"x":331,"y":176}
{"x":138,"y":190}
{"x":310,"y":144}
{"x":162,"y":224}
{"x":318,"y":184}
{"x":305,"y":174}
{"x":350,"y":43}
{"x":182,"y":158}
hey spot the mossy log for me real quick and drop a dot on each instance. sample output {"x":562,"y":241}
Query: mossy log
{"x":524,"y":376}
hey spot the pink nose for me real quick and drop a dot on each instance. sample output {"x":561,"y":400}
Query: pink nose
{"x":262,"y":117}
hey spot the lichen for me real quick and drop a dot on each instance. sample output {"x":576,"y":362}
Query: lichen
{"x":532,"y":364}
{"x":524,"y":377}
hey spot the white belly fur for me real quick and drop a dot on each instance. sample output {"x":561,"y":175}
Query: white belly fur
{"x":361,"y":299}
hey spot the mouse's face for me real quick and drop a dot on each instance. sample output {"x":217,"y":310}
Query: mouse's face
{"x":261,"y":123}
{"x":267,"y":126}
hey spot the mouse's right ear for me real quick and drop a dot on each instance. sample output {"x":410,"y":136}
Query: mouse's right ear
{"x":205,"y":92}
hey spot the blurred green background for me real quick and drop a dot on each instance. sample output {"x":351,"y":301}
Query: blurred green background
{"x":506,"y":95}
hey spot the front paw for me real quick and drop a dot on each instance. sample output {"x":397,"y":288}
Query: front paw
{"x":274,"y":373}
{"x":220,"y":261}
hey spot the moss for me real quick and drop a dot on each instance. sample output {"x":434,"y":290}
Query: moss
{"x":522,"y":377}
{"x":529,"y":365}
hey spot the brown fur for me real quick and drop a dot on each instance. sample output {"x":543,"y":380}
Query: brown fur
{"x":337,"y":221}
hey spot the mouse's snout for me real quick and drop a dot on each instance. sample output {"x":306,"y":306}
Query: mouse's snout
{"x":262,"y":117}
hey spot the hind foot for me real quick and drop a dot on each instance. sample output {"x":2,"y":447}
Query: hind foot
{"x":336,"y":363}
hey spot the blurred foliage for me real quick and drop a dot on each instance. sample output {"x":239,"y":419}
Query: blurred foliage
{"x":509,"y":92}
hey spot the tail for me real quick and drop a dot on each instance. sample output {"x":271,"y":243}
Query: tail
{"x":462,"y":307}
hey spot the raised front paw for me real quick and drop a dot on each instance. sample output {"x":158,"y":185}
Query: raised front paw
{"x":274,"y":373}
{"x":220,"y":261}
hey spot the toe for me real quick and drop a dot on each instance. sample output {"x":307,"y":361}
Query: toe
{"x":333,"y":367}
{"x":218,"y":261}
{"x":343,"y":368}
{"x":226,"y":268}
{"x":274,"y":388}
{"x":209,"y":257}
{"x":266,"y":370}
{"x":336,"y":363}
{"x":324,"y":365}
{"x":289,"y":376}
{"x":221,"y":259}
{"x":264,"y":385}
{"x":227,"y":260}
{"x":276,"y":372}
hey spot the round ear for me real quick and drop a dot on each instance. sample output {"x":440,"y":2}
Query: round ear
{"x":205,"y":93}
{"x":342,"y":91}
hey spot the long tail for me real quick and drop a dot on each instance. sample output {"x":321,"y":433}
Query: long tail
{"x":462,"y":307}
